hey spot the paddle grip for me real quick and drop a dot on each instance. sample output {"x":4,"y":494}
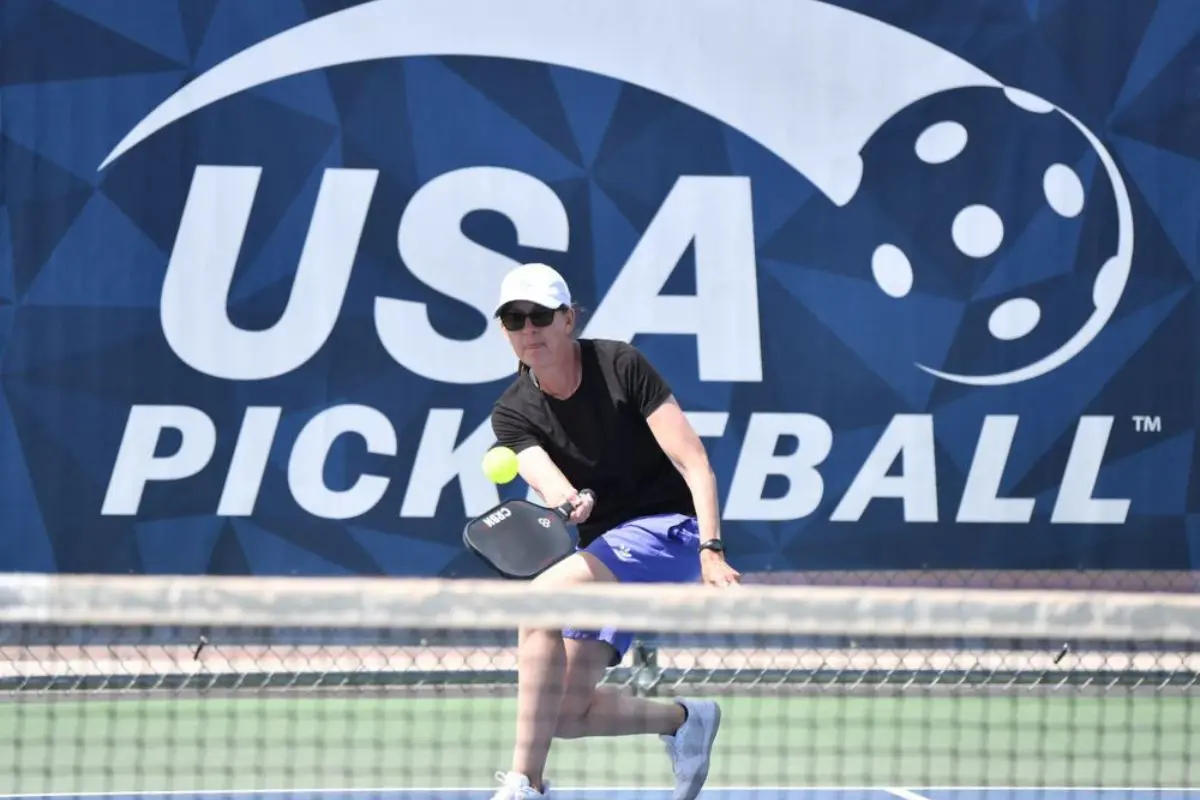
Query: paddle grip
{"x":566,"y":508}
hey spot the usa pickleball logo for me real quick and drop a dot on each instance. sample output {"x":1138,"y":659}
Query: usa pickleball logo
{"x":1004,"y":245}
{"x":869,"y":223}
{"x":873,"y":116}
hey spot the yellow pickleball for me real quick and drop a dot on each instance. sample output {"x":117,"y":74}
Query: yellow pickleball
{"x":500,"y":464}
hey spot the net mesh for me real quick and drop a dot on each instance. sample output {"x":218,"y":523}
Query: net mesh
{"x":408,"y":688}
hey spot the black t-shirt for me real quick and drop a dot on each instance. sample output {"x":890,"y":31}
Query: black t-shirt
{"x":598,"y":437}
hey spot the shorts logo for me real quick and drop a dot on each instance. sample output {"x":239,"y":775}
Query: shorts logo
{"x":544,"y":522}
{"x":623,"y":552}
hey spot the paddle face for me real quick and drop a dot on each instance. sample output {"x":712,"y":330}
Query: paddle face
{"x":519,"y":539}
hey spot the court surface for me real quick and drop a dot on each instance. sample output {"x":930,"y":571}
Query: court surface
{"x":302,"y":747}
{"x":626,"y":793}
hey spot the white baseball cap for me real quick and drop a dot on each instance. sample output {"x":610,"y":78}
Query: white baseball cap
{"x":534,"y":283}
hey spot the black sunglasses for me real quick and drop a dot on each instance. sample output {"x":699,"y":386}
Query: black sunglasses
{"x":515,"y":320}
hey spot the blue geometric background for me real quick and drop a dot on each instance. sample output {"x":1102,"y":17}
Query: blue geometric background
{"x":83,"y":253}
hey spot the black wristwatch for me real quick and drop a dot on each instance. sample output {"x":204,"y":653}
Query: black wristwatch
{"x":716,"y":545}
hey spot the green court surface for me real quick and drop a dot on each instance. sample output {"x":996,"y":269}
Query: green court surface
{"x":296,"y":740}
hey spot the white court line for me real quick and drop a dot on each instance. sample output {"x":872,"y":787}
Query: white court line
{"x":902,"y":793}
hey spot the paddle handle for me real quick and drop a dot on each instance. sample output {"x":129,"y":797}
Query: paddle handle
{"x":566,"y":508}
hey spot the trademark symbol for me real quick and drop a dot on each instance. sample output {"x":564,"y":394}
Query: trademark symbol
{"x":1147,"y":424}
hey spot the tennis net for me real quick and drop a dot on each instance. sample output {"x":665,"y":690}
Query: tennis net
{"x":407,"y":688}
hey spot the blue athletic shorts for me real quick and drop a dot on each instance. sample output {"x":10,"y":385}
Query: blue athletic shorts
{"x":664,"y":548}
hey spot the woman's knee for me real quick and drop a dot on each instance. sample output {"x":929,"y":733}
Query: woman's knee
{"x":583,"y":717}
{"x":572,"y":714}
{"x":587,"y":661}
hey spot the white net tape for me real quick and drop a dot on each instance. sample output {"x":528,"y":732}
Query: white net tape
{"x":493,"y":605}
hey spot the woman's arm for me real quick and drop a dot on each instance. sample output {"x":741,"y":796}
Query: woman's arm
{"x":682,"y":445}
{"x":541,"y":473}
{"x":679,"y":440}
{"x":535,"y":465}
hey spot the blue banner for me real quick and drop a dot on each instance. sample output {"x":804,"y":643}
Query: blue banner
{"x":923,"y":274}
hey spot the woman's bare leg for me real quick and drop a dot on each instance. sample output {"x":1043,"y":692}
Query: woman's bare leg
{"x":542,"y":672}
{"x":557,"y":692}
{"x":591,"y":710}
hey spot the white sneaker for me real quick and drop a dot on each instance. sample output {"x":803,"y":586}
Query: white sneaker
{"x":516,"y":787}
{"x":690,"y":748}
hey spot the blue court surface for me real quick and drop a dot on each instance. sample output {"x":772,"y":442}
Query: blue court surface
{"x":626,"y":793}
